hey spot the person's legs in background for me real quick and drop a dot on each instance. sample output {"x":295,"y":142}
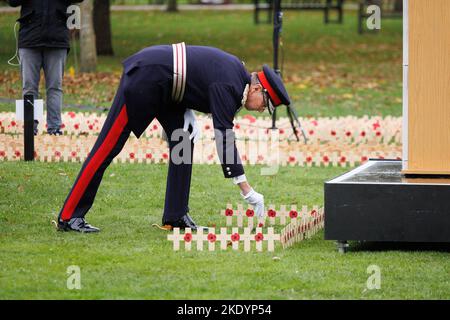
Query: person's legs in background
{"x":30,"y":68}
{"x":54,"y":61}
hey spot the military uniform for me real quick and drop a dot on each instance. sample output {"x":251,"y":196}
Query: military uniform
{"x":161,"y":82}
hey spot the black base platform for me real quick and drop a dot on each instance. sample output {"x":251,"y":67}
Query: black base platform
{"x":375,"y":202}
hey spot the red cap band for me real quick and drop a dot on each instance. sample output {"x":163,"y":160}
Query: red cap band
{"x":268,"y":87}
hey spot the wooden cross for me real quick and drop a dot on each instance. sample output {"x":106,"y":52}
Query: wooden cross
{"x":211,"y":244}
{"x":247,"y":237}
{"x":223,"y":238}
{"x":235,"y":238}
{"x":240,"y":215}
{"x":176,"y":238}
{"x":270,"y":237}
{"x":229,"y":218}
{"x":200,"y":237}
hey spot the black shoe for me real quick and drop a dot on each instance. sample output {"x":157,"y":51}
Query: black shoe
{"x":183,"y":223}
{"x":55,"y":132}
{"x":76,"y":224}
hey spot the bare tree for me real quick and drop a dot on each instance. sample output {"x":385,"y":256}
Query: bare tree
{"x":88,"y":53}
{"x":102,"y":27}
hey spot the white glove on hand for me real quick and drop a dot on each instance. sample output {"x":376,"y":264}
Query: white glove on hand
{"x":189,"y":119}
{"x":257,"y":201}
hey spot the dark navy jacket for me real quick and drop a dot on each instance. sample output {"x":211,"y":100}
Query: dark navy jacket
{"x":43,"y":23}
{"x":215,"y":83}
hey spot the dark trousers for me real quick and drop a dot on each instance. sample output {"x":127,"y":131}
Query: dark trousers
{"x":110,"y":142}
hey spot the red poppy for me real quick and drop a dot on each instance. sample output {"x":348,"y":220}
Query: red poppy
{"x":188,"y":237}
{"x":74,"y":154}
{"x":314,"y":122}
{"x":91,"y":127}
{"x":250,"y":118}
{"x":343,"y":159}
{"x":261,"y":225}
{"x":378,"y":133}
{"x":63,"y":126}
{"x":326,"y":159}
{"x":308,"y":159}
{"x":333,"y":133}
{"x":155,"y":127}
{"x":348,"y":133}
{"x":237,"y":126}
{"x":363,"y":159}
{"x":17,"y":153}
{"x":314,"y":212}
{"x":249,"y":213}
{"x":207,"y":127}
{"x":13,"y":123}
{"x":293,"y":214}
{"x":131,"y":155}
{"x":363,"y":134}
{"x":291,"y":159}
{"x":376,"y":125}
{"x":165,"y":155}
{"x":2,"y":153}
{"x":281,"y":131}
{"x":72,"y":114}
{"x":148,"y":155}
{"x":57,"y":154}
{"x":76,"y":126}
{"x":271,"y":213}
{"x":311,"y":132}
{"x":259,"y":237}
{"x":235,"y":237}
{"x":212,"y":237}
{"x":229,"y":212}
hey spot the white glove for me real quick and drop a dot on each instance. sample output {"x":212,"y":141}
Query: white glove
{"x":189,"y":119}
{"x":257,"y":201}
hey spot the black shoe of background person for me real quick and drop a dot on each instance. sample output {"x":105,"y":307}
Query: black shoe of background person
{"x":183,"y":223}
{"x":76,"y":224}
{"x":55,"y":132}
{"x":35,"y":127}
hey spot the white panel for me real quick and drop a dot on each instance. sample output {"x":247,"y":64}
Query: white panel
{"x":405,"y":118}
{"x":405,"y":84}
{"x":38,"y":110}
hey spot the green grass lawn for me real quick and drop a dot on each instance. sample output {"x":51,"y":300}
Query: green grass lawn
{"x":130,"y":259}
{"x":328,"y":69}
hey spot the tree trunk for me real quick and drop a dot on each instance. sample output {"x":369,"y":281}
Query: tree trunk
{"x":102,"y":27}
{"x":88,"y":53}
{"x":172,"y":5}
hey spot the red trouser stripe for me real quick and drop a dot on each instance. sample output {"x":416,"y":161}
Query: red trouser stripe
{"x":96,"y":161}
